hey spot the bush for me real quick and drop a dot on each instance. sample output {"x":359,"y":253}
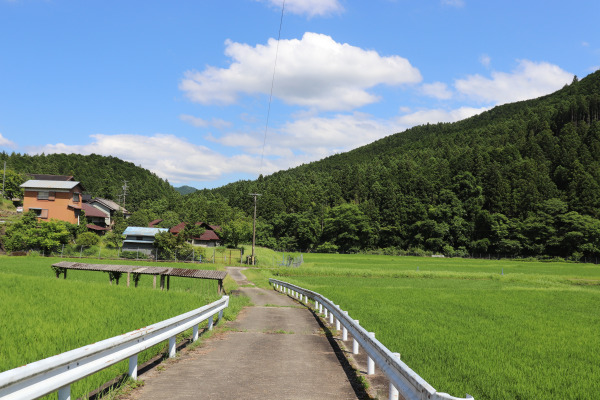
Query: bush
{"x":87,"y":239}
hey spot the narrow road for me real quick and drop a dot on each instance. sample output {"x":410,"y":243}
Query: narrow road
{"x":276,"y":349}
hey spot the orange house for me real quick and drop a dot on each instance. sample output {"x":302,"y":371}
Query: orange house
{"x":53,"y":199}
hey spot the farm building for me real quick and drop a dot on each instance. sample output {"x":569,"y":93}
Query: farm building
{"x":53,"y":199}
{"x":140,"y":239}
{"x":210,"y":237}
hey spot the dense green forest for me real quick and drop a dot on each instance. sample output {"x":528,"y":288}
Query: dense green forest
{"x":521,"y":179}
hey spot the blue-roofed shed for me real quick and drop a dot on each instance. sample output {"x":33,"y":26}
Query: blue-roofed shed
{"x":140,"y":239}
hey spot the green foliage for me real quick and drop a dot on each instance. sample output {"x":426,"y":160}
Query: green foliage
{"x":28,"y":234}
{"x":113,"y":239}
{"x":12,"y":183}
{"x":87,"y":239}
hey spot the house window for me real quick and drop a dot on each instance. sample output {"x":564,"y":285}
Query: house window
{"x":40,"y":212}
{"x":76,"y":197}
{"x":46,"y":195}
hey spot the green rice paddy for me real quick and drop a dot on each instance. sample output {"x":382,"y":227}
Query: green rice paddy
{"x":44,"y":316}
{"x":493,"y":329}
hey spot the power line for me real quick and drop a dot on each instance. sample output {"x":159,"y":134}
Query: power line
{"x":262,"y":155}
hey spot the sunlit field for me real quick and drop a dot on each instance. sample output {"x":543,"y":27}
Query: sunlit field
{"x":493,"y":329}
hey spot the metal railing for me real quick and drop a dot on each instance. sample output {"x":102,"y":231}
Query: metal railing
{"x":402,"y":379}
{"x":57,"y":373}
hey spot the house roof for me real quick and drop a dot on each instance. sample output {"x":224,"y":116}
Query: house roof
{"x":96,"y":227}
{"x":181,"y":226}
{"x":143,"y":231}
{"x":178,"y":228}
{"x":47,"y":185}
{"x":91,"y":211}
{"x":208,"y":235}
{"x":154,"y":223}
{"x":109,"y":204}
{"x":47,"y":177}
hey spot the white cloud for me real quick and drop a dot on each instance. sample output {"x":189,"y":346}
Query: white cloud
{"x":454,"y":3}
{"x":438,"y":90}
{"x":202,"y":123}
{"x":169,"y":156}
{"x":529,"y":80}
{"x":315,"y":72}
{"x":4,"y":142}
{"x":310,"y":8}
{"x":485,"y":60}
{"x":434,"y":116}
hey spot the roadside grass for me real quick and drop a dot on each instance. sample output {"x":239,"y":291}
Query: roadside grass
{"x":45,"y":316}
{"x":465,"y":327}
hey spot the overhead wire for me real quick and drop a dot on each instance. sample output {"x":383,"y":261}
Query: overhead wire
{"x":262,"y":154}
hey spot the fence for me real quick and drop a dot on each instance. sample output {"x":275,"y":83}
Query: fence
{"x":194,"y":255}
{"x":57,"y":373}
{"x":402,"y":379}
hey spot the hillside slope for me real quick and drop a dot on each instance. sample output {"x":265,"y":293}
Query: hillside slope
{"x":522,"y":178}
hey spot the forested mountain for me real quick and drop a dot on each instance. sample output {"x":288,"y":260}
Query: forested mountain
{"x":185,"y":189}
{"x":522,"y":178}
{"x":100,"y":176}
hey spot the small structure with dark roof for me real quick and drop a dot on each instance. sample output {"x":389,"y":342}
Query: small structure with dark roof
{"x":210,"y":238}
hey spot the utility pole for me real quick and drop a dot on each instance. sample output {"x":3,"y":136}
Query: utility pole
{"x":124,"y":192}
{"x":3,"y":179}
{"x":254,"y":228}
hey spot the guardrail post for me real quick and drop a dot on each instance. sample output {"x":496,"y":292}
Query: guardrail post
{"x":64,"y":393}
{"x":355,"y":345}
{"x":195,"y":333}
{"x":172,"y":348}
{"x":337,"y":322}
{"x":220,"y":317}
{"x":393,"y":391}
{"x":320,"y":308}
{"x":305,"y":298}
{"x":344,"y":330}
{"x":330,"y":318}
{"x":210,"y":322}
{"x":325,"y":312}
{"x":370,"y":362}
{"x":133,"y":367}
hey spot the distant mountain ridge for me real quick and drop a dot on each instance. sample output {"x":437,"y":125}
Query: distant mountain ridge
{"x":183,"y":190}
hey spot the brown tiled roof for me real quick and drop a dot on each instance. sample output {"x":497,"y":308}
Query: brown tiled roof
{"x":154,"y":223}
{"x":96,"y":227}
{"x":178,"y":228}
{"x":215,"y":227}
{"x":208,"y":235}
{"x":91,"y":211}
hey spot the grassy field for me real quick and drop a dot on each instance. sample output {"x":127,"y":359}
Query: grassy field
{"x":493,"y":329}
{"x":43,"y":316}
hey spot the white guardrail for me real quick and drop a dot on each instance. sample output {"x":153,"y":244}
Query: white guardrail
{"x":57,"y":373}
{"x":402,"y":379}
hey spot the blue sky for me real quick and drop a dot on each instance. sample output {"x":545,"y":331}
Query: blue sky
{"x":182,"y":88}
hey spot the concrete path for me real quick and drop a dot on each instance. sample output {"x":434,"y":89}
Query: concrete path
{"x":275,"y":349}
